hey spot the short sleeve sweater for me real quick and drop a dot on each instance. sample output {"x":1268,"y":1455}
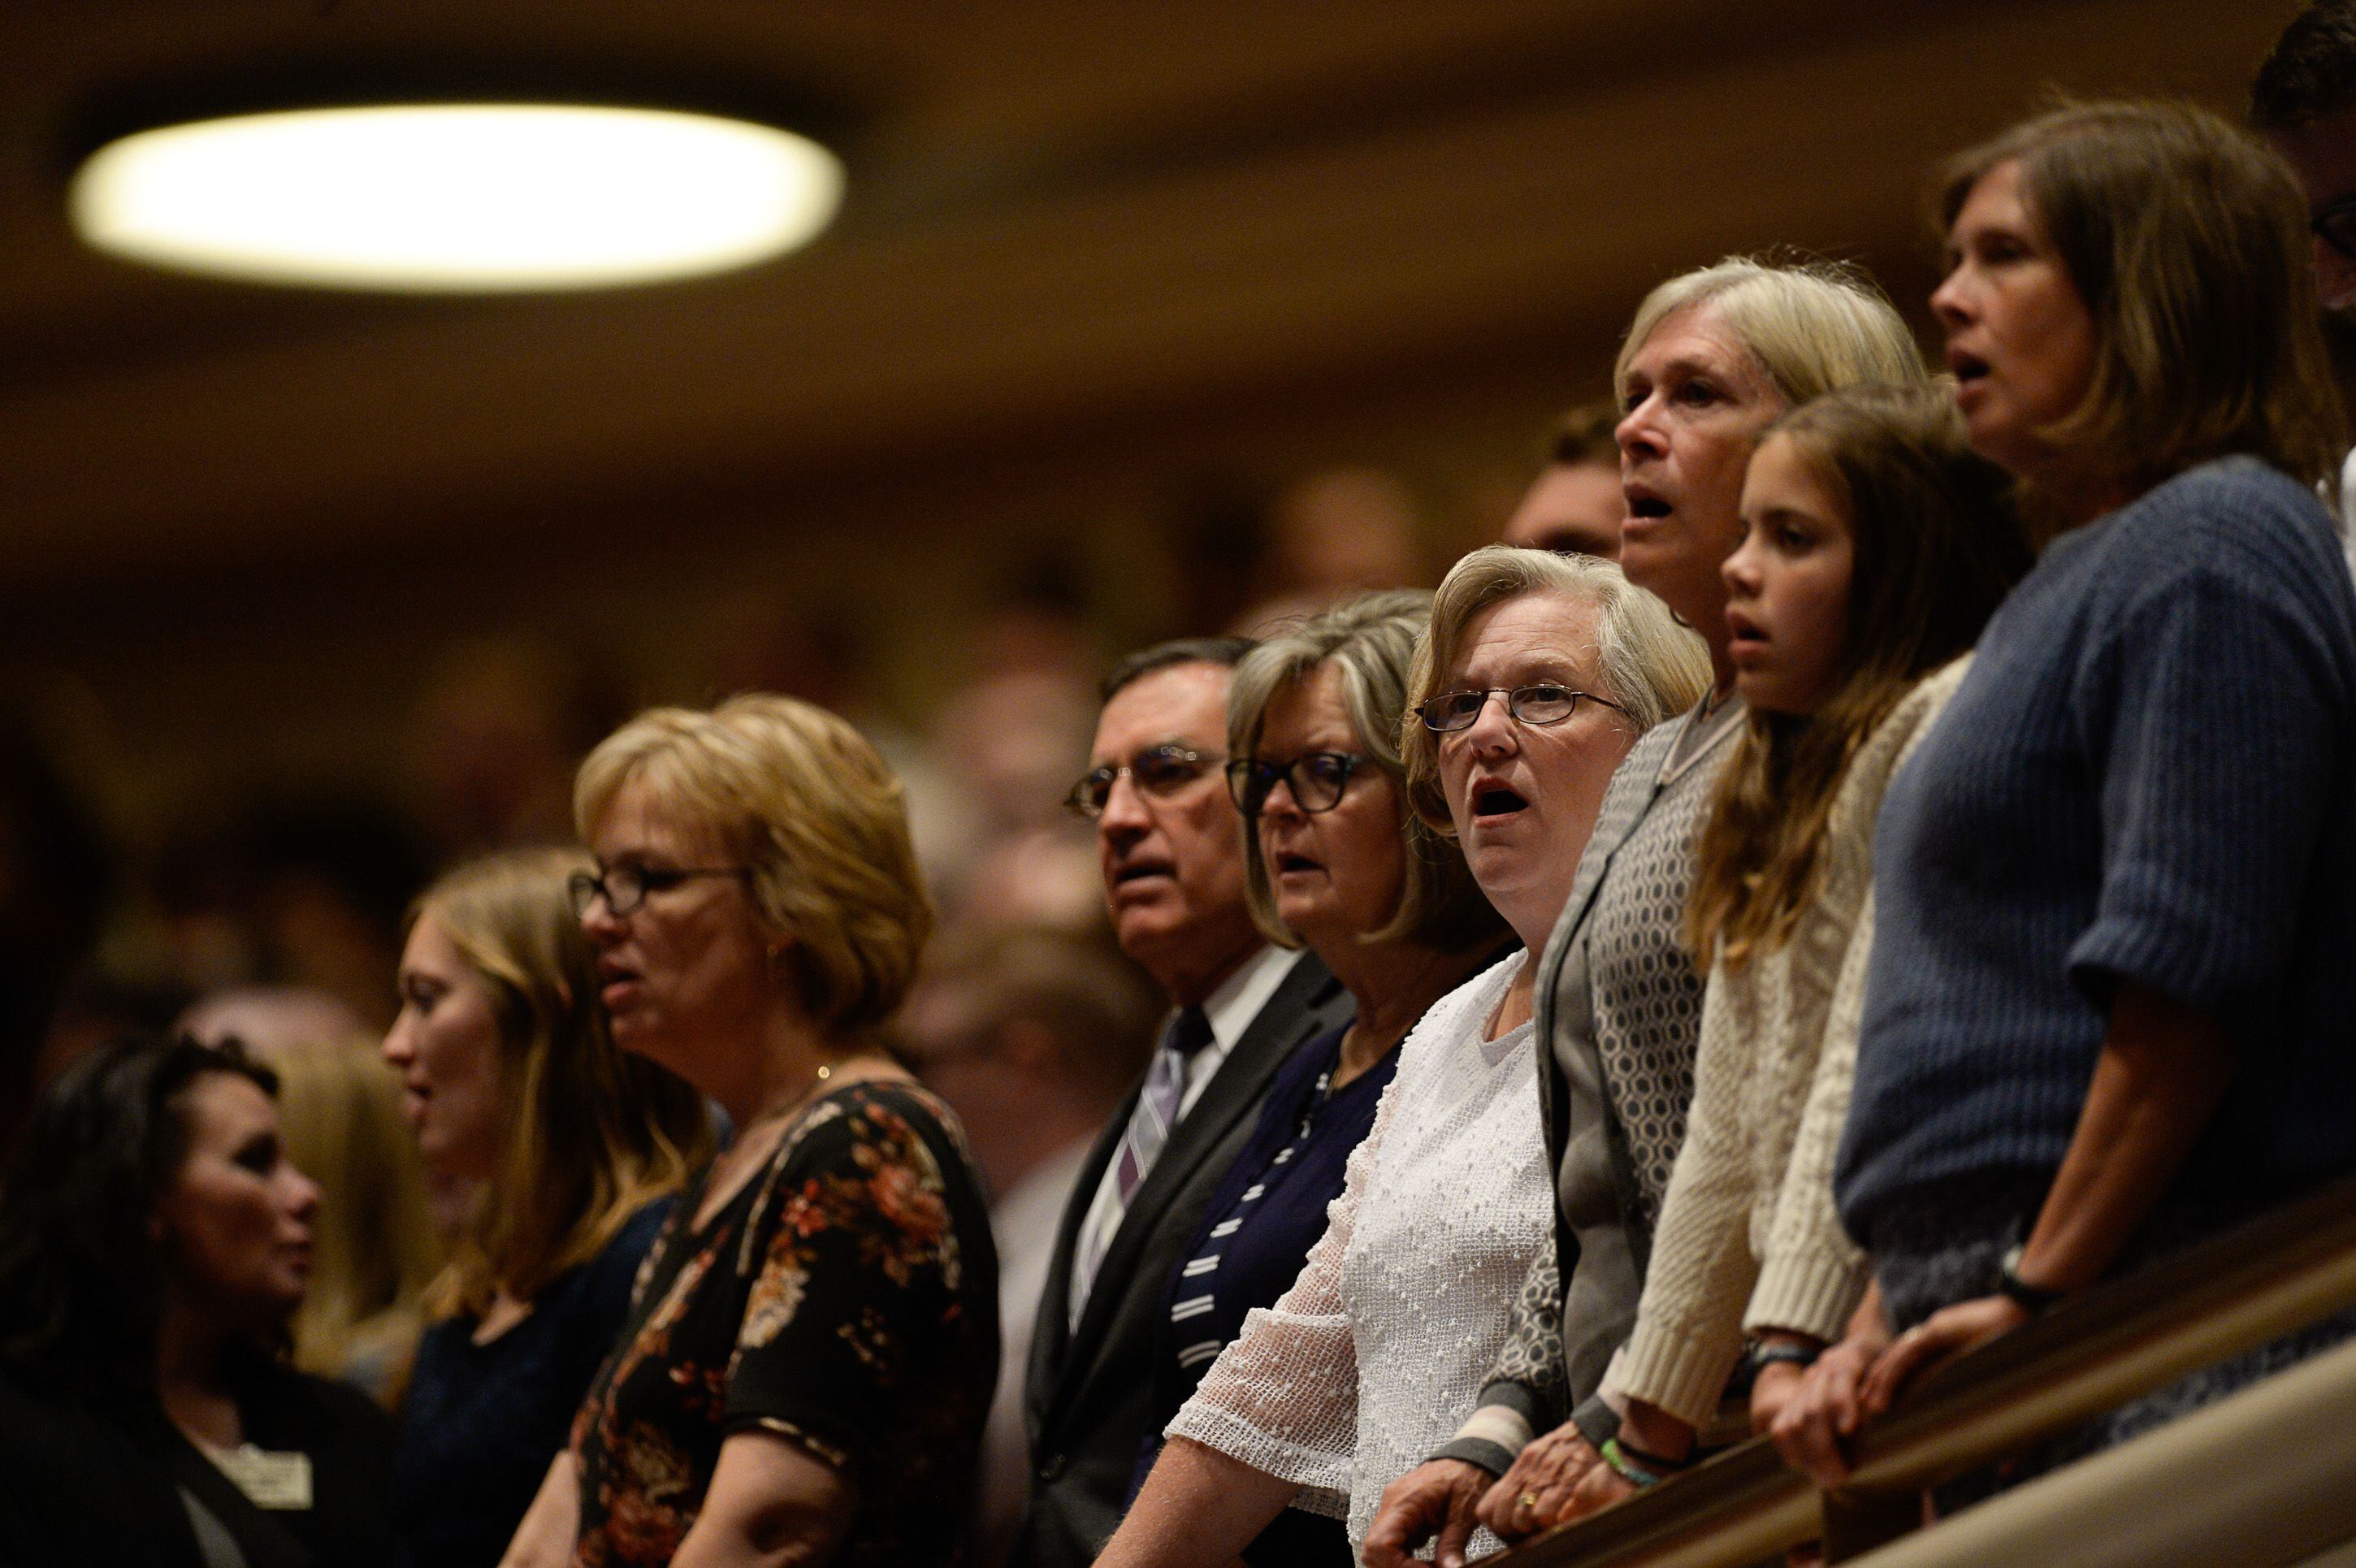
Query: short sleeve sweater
{"x":2149,"y":774}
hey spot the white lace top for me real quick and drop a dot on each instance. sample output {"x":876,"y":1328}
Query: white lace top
{"x":1377,"y":1351}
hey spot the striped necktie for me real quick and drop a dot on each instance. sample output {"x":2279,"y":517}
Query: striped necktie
{"x":1148,"y":1127}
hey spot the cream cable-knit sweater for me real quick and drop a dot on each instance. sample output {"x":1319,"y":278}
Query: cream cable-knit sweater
{"x":1748,"y":1215}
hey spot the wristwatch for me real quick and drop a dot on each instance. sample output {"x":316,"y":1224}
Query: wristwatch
{"x":2032,"y":1298}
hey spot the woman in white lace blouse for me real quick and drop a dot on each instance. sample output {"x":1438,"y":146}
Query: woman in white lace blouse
{"x":1538,"y":673}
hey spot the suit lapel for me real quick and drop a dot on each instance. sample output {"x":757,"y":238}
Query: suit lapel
{"x":1051,"y":1342}
{"x":1297,"y":1011}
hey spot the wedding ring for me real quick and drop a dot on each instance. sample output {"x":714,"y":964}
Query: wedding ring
{"x":1529,"y":1499}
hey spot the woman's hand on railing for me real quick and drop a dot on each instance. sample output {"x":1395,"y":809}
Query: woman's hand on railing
{"x":1601,"y":1486}
{"x":1857,"y":1380}
{"x":1942,"y":1336}
{"x":1537,"y":1493}
{"x":1826,"y":1408}
{"x":1785,"y":1357}
{"x":1778,"y":1383}
{"x":1436,"y":1499}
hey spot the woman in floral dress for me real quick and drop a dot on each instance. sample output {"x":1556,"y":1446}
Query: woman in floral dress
{"x":812,"y":1343}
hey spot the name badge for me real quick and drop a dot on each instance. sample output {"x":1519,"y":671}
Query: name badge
{"x":279,"y":1482}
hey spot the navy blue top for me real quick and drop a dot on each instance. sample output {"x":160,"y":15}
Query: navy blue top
{"x":2149,"y":774}
{"x":1255,"y":1236}
{"x":482,"y":1422}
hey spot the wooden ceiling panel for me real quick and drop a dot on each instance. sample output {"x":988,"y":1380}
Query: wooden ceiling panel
{"x":1075,"y":207}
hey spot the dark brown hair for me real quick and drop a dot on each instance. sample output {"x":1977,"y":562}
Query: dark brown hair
{"x":2310,"y":74}
{"x":1936,"y":543}
{"x":1224,"y":651}
{"x":1587,"y":434}
{"x":81,"y":1276}
{"x":2187,"y":239}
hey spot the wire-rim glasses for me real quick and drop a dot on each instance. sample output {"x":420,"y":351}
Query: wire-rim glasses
{"x":1158,"y":770}
{"x":625,"y":887}
{"x":1540,"y":703}
{"x":1316,"y":778}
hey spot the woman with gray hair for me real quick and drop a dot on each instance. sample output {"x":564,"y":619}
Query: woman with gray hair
{"x":1537,"y":675}
{"x":1337,"y":861}
{"x":1713,"y":357}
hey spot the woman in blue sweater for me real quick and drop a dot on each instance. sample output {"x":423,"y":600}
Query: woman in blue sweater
{"x":2108,"y":1001}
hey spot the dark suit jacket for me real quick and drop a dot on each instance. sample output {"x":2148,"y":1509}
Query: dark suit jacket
{"x":1090,"y":1392}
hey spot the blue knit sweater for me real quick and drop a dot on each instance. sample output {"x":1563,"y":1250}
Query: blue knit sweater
{"x":2149,"y":774}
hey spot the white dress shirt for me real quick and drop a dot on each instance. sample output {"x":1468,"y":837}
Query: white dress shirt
{"x":1230,"y":1010}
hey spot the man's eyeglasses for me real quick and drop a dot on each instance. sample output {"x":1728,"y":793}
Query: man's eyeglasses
{"x":625,"y":887}
{"x":2335,"y":225}
{"x":1543,"y":702}
{"x":1157,"y":770}
{"x":1316,"y":780}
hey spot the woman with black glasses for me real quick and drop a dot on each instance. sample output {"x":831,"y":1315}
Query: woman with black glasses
{"x":1386,"y":794}
{"x":808,"y":1354}
{"x":1335,"y":861}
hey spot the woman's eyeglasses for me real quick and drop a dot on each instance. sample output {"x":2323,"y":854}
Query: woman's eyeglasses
{"x":625,"y":887}
{"x":1542,"y":703}
{"x":1316,"y":780}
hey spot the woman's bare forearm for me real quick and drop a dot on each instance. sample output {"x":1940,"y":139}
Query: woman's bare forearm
{"x":545,"y":1537}
{"x":1199,"y":1509}
{"x":772,"y":1504}
{"x":2163,"y":1070}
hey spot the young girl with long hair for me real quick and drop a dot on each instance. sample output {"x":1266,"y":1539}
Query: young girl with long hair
{"x":573,"y":1152}
{"x":1875,"y":546}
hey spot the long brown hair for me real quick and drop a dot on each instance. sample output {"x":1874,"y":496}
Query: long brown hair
{"x":591,"y":1134}
{"x":1937,"y":543}
{"x":2188,"y":241}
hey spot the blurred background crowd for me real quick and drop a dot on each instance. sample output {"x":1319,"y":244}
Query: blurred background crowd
{"x":1206,"y":325}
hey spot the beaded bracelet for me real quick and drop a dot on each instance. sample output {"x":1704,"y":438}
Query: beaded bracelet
{"x":1625,"y":1466}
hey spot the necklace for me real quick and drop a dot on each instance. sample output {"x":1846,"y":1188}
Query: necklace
{"x":752,"y":1146}
{"x":825,"y":1071}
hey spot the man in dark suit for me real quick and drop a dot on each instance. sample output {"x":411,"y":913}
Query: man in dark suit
{"x":1172,"y":851}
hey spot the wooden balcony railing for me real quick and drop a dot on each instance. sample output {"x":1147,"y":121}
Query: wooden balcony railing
{"x":2231,"y":1293}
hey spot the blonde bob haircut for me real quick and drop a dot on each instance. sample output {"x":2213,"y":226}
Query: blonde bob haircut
{"x":1370,"y":642}
{"x":1812,"y":325}
{"x":2188,"y":241}
{"x":591,"y":1134}
{"x":1645,"y":660}
{"x":802,"y":801}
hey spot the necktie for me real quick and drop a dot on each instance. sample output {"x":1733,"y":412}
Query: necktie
{"x":1149,"y":1129}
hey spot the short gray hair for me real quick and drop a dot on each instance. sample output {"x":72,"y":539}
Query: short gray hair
{"x":1650,"y":663}
{"x":1370,"y":641}
{"x":1812,"y":325}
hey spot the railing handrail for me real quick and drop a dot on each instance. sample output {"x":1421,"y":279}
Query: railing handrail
{"x":2233,"y":1291}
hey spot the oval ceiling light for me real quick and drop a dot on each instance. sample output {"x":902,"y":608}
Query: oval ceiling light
{"x":487,"y":197}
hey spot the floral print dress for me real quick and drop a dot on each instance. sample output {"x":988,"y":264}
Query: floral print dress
{"x":844,"y":1300}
